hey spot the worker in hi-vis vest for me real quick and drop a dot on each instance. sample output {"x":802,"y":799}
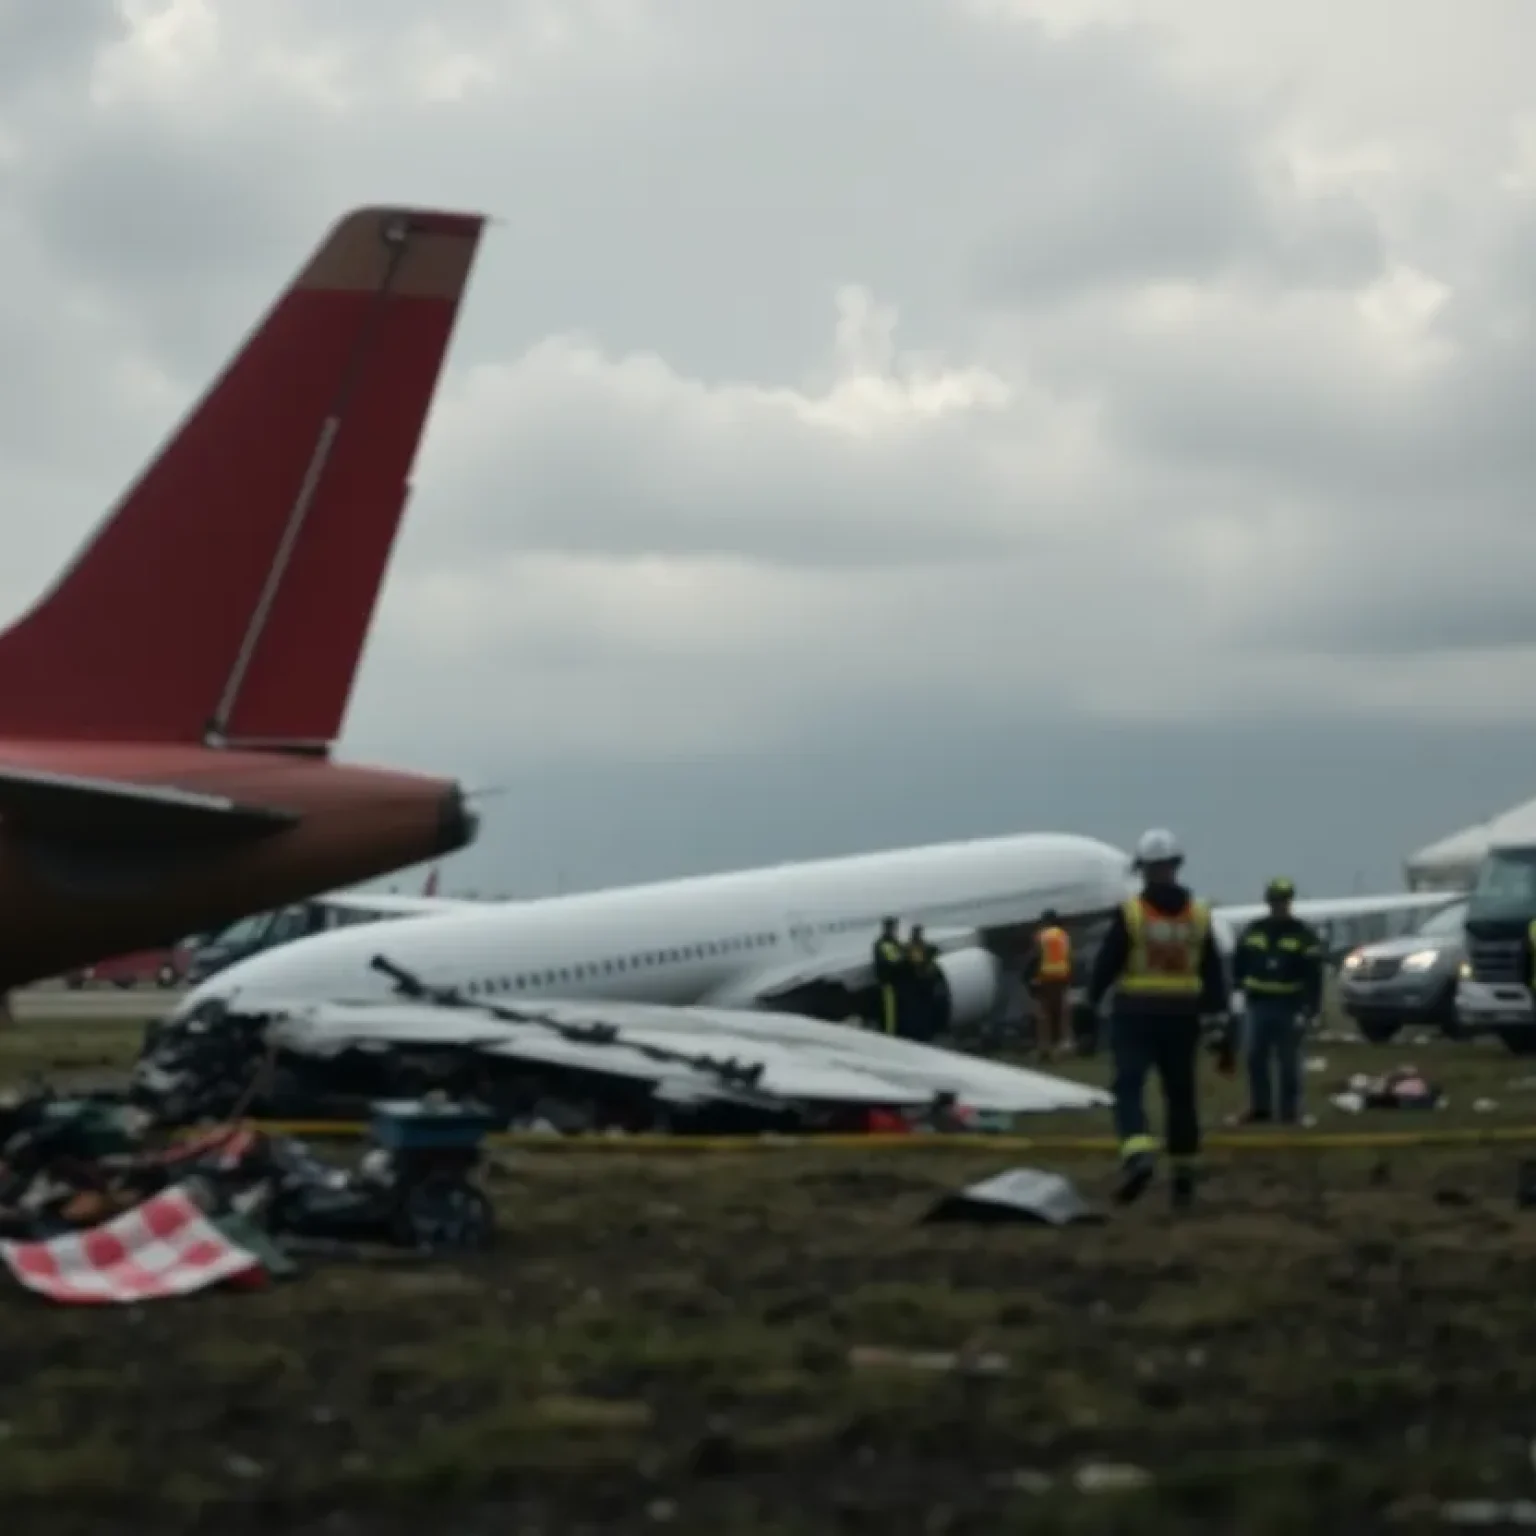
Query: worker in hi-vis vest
{"x":1160,"y":956}
{"x":1278,"y":967}
{"x":890,"y":975}
{"x":1048,"y":970}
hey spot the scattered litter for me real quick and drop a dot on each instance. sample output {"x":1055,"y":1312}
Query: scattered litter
{"x":1489,"y":1512}
{"x":1316,"y":1064}
{"x":1024,"y":1480}
{"x":1484,"y":1106}
{"x":961,"y":1361}
{"x":1110,"y":1477}
{"x":1402,"y":1088}
{"x":1017,"y":1194}
{"x":165,"y":1247}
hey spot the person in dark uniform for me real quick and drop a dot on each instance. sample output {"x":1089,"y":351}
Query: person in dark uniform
{"x":1278,"y":967}
{"x":891,"y":973}
{"x":1161,"y":958}
{"x":929,"y":993}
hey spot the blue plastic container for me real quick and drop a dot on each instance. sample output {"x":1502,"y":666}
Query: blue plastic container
{"x":408,"y":1125}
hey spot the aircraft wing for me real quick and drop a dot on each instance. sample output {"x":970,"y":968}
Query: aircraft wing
{"x":849,"y":966}
{"x":1344,"y":921}
{"x":74,"y":808}
{"x":690,"y":1054}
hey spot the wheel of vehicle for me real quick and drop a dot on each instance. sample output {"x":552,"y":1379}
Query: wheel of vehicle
{"x":443,"y":1215}
{"x":124,"y":982}
{"x":166,"y":976}
{"x":74,"y":981}
{"x":1445,"y":1014}
{"x":1378,"y":1031}
{"x":1518,"y":1042}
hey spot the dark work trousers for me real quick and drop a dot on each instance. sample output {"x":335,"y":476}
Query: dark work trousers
{"x":1272,"y":1032}
{"x":911,"y":1010}
{"x":1169,"y":1044}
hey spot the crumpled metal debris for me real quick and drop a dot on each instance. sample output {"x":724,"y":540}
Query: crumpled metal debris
{"x":69,"y":1164}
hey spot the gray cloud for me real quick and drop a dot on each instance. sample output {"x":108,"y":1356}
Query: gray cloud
{"x":51,"y":47}
{"x":1137,"y":421}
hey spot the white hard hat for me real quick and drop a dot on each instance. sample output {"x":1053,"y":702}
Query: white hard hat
{"x":1159,"y":846}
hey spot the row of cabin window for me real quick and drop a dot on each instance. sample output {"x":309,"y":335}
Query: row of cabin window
{"x":631,"y":963}
{"x":638,"y":962}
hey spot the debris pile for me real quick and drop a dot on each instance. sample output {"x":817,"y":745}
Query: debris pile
{"x":98,"y":1204}
{"x":1403,"y":1087}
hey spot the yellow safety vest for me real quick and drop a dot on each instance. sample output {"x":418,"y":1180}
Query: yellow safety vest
{"x":1055,"y":955}
{"x":1164,"y":954}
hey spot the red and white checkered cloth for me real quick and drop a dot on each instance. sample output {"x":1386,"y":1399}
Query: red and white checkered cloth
{"x":164,"y":1247}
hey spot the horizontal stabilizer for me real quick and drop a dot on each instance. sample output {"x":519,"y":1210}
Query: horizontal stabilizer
{"x":71,"y":808}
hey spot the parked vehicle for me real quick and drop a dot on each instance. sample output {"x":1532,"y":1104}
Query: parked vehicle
{"x":1494,"y":995}
{"x":1408,"y":980}
{"x":144,"y":968}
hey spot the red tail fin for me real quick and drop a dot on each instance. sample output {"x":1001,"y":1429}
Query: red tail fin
{"x":231,"y":591}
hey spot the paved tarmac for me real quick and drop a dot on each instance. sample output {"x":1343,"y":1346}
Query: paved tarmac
{"x":131,"y":1005}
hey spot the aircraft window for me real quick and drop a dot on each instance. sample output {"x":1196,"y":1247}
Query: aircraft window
{"x":522,"y":981}
{"x":607,"y":967}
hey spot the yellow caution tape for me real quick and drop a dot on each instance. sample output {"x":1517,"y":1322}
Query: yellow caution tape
{"x":985,"y":1145}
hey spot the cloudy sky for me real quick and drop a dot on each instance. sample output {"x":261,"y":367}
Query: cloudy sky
{"x":872,"y":421}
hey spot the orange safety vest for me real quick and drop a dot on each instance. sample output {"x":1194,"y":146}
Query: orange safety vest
{"x":1165,"y":949}
{"x":1055,"y":955}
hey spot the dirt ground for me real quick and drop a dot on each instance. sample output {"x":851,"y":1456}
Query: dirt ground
{"x":732,"y":1343}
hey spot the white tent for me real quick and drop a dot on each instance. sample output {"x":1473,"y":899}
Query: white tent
{"x":1451,"y":864}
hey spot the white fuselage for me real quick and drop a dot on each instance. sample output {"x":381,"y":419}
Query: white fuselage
{"x":697,"y":940}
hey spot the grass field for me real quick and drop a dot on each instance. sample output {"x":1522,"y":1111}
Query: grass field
{"x":722,"y":1343}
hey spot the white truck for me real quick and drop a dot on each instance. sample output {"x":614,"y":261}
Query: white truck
{"x":1493,"y":992}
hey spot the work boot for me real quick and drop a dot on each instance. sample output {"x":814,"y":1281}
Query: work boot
{"x":1135,"y":1175}
{"x":1251,"y":1117}
{"x":1183,"y":1193}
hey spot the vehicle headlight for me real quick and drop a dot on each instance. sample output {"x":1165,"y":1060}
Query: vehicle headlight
{"x":1464,"y":970}
{"x":1421,"y":959}
{"x":1353,"y":959}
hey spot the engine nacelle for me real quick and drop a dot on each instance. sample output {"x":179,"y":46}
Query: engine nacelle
{"x":975,"y":981}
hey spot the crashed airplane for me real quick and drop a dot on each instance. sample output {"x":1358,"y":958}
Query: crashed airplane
{"x":722,"y":993}
{"x":580,"y":1066}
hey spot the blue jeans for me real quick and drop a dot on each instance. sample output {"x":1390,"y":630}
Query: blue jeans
{"x":1273,"y":1034}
